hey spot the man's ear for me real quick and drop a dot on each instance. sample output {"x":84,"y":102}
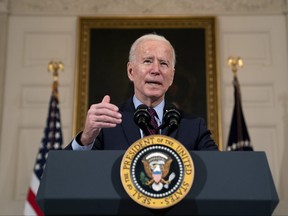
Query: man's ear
{"x":130,"y":71}
{"x":172,"y":77}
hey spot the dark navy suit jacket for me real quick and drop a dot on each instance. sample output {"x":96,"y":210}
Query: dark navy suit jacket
{"x":192,"y":133}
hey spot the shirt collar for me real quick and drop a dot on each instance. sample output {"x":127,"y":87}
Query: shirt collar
{"x":159,"y":108}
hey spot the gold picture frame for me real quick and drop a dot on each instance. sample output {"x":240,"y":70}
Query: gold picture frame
{"x":103,"y":47}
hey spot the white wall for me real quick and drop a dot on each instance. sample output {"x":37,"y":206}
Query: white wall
{"x":261,"y":42}
{"x":32,"y":43}
{"x":39,"y":31}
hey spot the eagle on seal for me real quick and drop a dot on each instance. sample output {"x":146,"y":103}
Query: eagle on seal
{"x":157,"y":166}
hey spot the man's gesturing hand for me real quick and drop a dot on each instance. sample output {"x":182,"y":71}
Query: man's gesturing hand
{"x":101,"y":115}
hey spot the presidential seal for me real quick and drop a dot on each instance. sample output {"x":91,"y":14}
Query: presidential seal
{"x":157,"y":171}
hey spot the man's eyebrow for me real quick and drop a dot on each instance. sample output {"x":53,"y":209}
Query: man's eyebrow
{"x":165,"y":60}
{"x":148,"y":56}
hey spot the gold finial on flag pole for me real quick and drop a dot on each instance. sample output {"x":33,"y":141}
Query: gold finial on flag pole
{"x":235,"y":63}
{"x":55,"y":67}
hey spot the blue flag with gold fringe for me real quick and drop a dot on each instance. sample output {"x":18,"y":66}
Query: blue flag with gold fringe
{"x":238,"y":139}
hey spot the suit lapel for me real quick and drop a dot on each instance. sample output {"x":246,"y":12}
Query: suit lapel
{"x":173,"y":134}
{"x":131,"y":132}
{"x":130,"y":129}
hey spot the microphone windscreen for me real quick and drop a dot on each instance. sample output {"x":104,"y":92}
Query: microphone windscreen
{"x":142,"y":118}
{"x":141,"y":115}
{"x":172,"y":113}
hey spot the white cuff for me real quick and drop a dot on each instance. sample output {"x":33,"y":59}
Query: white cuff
{"x":77,"y":147}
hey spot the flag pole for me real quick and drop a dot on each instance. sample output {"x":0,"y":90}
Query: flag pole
{"x":238,"y":138}
{"x":52,"y":140}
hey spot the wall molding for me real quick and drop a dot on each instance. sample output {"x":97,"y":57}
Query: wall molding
{"x":143,"y":7}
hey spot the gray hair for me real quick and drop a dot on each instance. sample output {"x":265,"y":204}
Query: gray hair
{"x":150,"y":37}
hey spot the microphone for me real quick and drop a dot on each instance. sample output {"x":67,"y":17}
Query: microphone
{"x":142,"y":118}
{"x":172,"y":118}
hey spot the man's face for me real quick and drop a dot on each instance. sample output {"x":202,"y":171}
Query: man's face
{"x":152,"y":71}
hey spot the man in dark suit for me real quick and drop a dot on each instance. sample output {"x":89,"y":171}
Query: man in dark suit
{"x":151,"y":69}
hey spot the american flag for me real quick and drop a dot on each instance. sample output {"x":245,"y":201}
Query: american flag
{"x":239,"y":139}
{"x":52,"y":140}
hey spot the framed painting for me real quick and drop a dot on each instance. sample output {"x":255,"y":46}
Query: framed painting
{"x":104,"y":44}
